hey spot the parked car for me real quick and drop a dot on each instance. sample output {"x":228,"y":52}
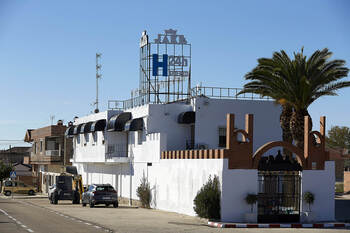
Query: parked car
{"x":100,"y":194}
{"x":14,"y":186}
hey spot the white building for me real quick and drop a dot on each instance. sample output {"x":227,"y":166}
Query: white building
{"x":178,"y":144}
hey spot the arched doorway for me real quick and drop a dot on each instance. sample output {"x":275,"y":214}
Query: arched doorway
{"x":279,"y":195}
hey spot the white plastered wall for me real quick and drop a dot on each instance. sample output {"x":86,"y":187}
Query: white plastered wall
{"x":321,"y":184}
{"x":175,"y":182}
{"x":237,"y":183}
{"x":211,"y":114}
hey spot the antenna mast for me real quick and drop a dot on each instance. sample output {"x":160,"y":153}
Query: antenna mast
{"x":98,"y":76}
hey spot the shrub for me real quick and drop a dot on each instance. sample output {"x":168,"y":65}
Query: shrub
{"x":251,"y":199}
{"x":144,"y":193}
{"x":309,"y":198}
{"x":207,"y":200}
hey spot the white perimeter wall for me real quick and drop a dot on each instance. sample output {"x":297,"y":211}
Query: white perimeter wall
{"x":237,"y":183}
{"x":321,"y":184}
{"x":175,"y":182}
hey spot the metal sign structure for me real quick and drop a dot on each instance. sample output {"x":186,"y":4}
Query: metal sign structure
{"x":165,"y":68}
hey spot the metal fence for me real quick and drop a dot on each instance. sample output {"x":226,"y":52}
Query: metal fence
{"x":211,"y":92}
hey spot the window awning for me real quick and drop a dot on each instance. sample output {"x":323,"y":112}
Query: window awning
{"x":69,"y":131}
{"x":77,"y":129}
{"x":99,"y":125}
{"x":134,"y":124}
{"x":117,"y":122}
{"x":186,"y":117}
{"x":85,"y":128}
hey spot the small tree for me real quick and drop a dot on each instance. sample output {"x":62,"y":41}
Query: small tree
{"x":4,"y":171}
{"x":207,"y":200}
{"x":309,"y":198}
{"x":251,"y":199}
{"x":144,"y":193}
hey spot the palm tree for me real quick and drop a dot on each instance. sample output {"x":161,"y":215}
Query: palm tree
{"x":295,"y":84}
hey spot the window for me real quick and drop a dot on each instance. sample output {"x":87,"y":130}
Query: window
{"x":86,"y":138}
{"x":94,"y":138}
{"x":41,"y":145}
{"x":34,"y":147}
{"x":139,"y":137}
{"x":8,"y":183}
{"x":104,"y":188}
{"x":222,"y":136}
{"x":78,"y":139}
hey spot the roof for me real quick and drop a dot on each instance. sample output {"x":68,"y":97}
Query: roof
{"x":52,"y":130}
{"x":19,"y":149}
{"x":28,"y":136}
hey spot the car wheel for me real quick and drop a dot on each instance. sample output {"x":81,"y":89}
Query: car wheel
{"x":55,"y":198}
{"x":83,"y":204}
{"x":91,"y":204}
{"x":7,"y":193}
{"x":107,"y":205}
{"x":115,"y":204}
{"x":51,"y":200}
{"x":31,"y":192}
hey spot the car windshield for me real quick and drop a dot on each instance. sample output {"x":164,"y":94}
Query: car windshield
{"x":104,"y":188}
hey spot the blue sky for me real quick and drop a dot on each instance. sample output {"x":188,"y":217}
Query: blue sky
{"x":47,"y":50}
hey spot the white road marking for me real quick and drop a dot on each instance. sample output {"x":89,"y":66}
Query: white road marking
{"x":87,"y":223}
{"x":18,"y":222}
{"x":97,"y":227}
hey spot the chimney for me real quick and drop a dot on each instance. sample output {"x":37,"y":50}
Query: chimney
{"x":59,"y":122}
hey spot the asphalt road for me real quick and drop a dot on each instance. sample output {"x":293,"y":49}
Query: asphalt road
{"x":37,"y":215}
{"x":19,"y":216}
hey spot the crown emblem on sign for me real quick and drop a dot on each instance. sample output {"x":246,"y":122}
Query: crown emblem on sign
{"x":170,"y":32}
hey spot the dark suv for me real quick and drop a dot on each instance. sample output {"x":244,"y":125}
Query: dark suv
{"x":100,"y":194}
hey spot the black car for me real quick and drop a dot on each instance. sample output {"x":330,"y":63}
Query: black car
{"x":100,"y":194}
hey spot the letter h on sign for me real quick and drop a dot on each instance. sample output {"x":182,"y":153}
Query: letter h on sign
{"x":157,"y":64}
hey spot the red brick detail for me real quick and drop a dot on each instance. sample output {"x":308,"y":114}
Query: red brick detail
{"x":346,"y":181}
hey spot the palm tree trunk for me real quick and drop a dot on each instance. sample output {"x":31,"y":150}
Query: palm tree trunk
{"x":285,"y":118}
{"x":297,"y":126}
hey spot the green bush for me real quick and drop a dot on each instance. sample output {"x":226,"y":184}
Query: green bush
{"x":251,"y":199}
{"x":309,"y":198}
{"x":339,"y":187}
{"x":207,"y":200}
{"x":144,"y":193}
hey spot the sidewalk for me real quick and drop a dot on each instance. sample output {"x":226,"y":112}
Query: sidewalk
{"x":24,"y":196}
{"x":277,"y":225}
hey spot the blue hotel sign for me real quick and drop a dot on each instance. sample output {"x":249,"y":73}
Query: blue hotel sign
{"x":170,"y":37}
{"x":163,"y":64}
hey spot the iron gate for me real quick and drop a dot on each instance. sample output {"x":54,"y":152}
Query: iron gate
{"x":279,"y":196}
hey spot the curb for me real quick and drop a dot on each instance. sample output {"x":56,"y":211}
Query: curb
{"x":277,"y":225}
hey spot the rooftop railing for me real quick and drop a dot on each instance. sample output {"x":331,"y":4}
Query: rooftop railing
{"x":226,"y":93}
{"x":211,"y":92}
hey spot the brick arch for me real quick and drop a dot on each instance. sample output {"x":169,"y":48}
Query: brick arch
{"x":319,"y":135}
{"x":244,"y":133}
{"x":263,"y":149}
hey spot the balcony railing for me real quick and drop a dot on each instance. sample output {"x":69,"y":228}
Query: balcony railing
{"x":116,"y":150}
{"x":52,"y":152}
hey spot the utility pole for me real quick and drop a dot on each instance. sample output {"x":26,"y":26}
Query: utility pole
{"x":98,"y":76}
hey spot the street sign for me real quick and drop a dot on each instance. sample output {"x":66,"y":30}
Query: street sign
{"x":13,"y":174}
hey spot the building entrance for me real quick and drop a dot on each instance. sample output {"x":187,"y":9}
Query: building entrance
{"x":279,"y":190}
